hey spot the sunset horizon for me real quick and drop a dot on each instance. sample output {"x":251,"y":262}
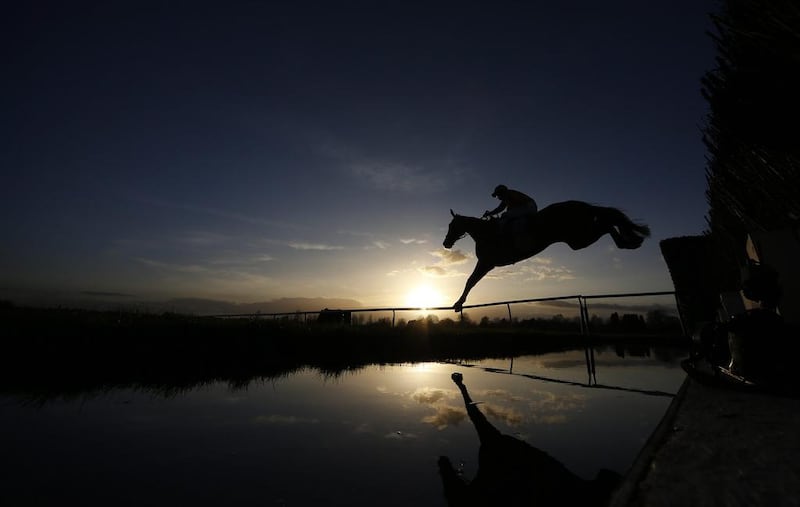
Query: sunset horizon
{"x":247,"y":154}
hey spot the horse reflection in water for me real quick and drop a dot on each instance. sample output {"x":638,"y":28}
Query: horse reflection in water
{"x":576,"y":223}
{"x":512,"y":472}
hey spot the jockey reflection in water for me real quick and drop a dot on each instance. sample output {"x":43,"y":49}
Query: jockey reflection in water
{"x":511,"y":472}
{"x":514,"y":203}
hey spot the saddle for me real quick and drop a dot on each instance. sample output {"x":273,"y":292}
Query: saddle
{"x":516,"y":232}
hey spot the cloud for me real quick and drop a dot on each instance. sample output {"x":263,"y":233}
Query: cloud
{"x":446,"y":416}
{"x":297,"y":245}
{"x":400,"y":435}
{"x":409,"y":241}
{"x":283,"y":419}
{"x":550,"y":418}
{"x":381,"y":245}
{"x":447,"y":258}
{"x":234,"y":259}
{"x":508,"y":415}
{"x":534,"y":270}
{"x":438,"y":271}
{"x":546,"y":407}
{"x":203,"y":238}
{"x":389,"y":174}
{"x":540,"y":273}
{"x":233,"y":266}
{"x":212,"y":277}
{"x":430,"y":395}
{"x":357,"y":234}
{"x":182,"y":268}
{"x":363,"y":427}
{"x":216,"y":212}
{"x":500,"y":394}
{"x":398,"y":176}
{"x":313,"y":246}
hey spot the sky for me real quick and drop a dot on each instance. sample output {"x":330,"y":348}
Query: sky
{"x":254,"y":151}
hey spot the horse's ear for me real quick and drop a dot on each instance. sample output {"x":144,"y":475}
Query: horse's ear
{"x":451,"y":212}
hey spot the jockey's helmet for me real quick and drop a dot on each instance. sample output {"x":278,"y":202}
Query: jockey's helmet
{"x":499,"y":190}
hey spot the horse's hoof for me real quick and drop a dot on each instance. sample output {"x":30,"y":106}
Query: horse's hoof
{"x":457,"y":378}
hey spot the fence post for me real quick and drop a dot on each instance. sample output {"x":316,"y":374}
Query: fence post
{"x":680,"y":314}
{"x":582,"y":302}
{"x":584,"y":309}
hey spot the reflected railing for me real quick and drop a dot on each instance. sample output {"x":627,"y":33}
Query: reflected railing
{"x":590,"y":368}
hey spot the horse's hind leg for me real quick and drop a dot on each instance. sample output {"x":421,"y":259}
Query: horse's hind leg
{"x":626,"y":239}
{"x":616,"y":236}
{"x":586,"y":238}
{"x":625,"y":233}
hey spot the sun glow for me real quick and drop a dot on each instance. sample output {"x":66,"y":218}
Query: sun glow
{"x":424,"y":296}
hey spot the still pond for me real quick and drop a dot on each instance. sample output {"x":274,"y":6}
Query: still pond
{"x":367,"y":437}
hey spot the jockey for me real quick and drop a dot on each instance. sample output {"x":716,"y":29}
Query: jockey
{"x":517,"y":206}
{"x":514,"y":202}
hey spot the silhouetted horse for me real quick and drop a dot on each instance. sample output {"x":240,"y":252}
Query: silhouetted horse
{"x":576,"y":223}
{"x":512,"y":472}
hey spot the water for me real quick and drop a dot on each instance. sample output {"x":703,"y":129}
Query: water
{"x":369,"y":437}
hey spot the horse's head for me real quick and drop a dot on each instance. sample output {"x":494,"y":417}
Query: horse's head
{"x":455,"y":231}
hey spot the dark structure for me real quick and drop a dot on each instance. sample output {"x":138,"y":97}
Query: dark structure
{"x":335,"y":317}
{"x":699,"y":276}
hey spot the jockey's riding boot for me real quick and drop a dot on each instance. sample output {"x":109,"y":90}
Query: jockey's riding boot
{"x":519,"y":233}
{"x":502,"y":226}
{"x":519,"y":226}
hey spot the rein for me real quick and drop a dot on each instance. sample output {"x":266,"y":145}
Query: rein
{"x":467,"y":228}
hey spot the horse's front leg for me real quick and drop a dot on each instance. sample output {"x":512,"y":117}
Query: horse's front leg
{"x":486,"y":432}
{"x":479,"y":272}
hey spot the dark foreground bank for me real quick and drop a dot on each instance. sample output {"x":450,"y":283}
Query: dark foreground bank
{"x":720,"y":443}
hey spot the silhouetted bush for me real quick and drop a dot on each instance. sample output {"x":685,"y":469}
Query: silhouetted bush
{"x":753,"y":170}
{"x":79,"y":350}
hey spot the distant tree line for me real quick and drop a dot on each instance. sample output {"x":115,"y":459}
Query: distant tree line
{"x":654,"y":321}
{"x":753,"y":167}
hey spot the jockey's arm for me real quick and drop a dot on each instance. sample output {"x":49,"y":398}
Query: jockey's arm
{"x":495,"y":211}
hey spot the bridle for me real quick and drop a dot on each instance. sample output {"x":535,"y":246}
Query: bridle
{"x":449,"y":239}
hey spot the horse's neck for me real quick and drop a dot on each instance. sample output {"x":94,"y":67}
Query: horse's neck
{"x":476,"y":227}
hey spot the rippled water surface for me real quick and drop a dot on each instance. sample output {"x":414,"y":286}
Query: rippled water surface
{"x":369,"y":437}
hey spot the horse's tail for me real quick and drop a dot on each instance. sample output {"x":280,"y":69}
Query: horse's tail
{"x":625,"y":232}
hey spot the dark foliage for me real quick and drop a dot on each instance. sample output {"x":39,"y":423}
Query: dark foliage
{"x":68,"y":352}
{"x":753,"y":169}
